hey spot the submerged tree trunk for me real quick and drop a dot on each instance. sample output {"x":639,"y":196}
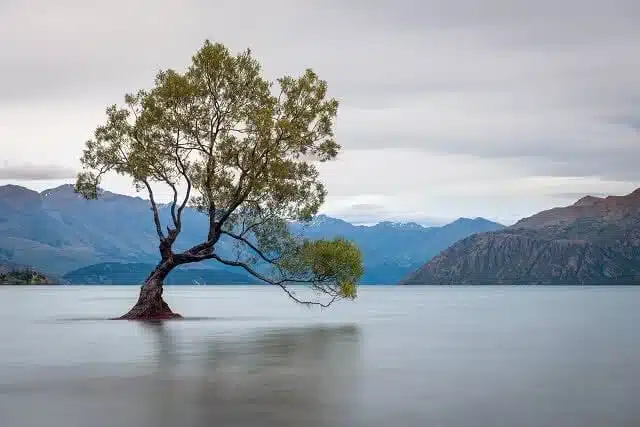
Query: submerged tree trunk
{"x":150,"y":305}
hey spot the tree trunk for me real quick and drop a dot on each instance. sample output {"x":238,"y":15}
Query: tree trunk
{"x":150,"y":305}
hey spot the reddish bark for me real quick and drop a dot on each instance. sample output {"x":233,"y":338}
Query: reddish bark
{"x":150,"y":304}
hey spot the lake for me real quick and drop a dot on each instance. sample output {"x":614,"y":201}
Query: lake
{"x":411,"y":356}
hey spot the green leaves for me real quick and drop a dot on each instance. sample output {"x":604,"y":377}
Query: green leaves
{"x":238,"y":147}
{"x":330,"y":266}
{"x":87,"y":185}
{"x":336,"y":260}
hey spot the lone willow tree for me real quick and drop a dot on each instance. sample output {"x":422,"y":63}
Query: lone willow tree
{"x":241,"y":150}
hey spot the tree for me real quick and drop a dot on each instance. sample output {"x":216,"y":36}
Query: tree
{"x":241,"y":150}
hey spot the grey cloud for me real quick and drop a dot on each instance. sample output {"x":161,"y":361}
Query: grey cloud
{"x":552,"y":86}
{"x":546,"y":88}
{"x":366,"y":207}
{"x":31,"y":172}
{"x":75,"y":48}
{"x":617,"y":165}
{"x":363,"y":213}
{"x":557,"y":23}
{"x":371,"y":213}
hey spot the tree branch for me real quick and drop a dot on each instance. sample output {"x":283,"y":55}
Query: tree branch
{"x":176,"y":223}
{"x":240,"y":196}
{"x":211,"y":166}
{"x":252,"y":246}
{"x":184,"y":202}
{"x":246,"y":229}
{"x":183,"y":171}
{"x":154,"y":207}
{"x":246,"y":267}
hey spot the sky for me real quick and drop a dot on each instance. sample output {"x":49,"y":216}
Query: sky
{"x":455,"y":108}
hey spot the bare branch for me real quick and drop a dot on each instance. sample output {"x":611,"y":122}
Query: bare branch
{"x":280,"y":283}
{"x":252,"y":246}
{"x":183,"y":171}
{"x":240,"y":196}
{"x":211,"y":167}
{"x":176,"y":223}
{"x":247,"y":228}
{"x":185,"y":200}
{"x":154,"y":207}
{"x":201,"y":247}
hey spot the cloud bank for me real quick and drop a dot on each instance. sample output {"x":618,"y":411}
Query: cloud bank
{"x":31,"y":172}
{"x":448,"y":108}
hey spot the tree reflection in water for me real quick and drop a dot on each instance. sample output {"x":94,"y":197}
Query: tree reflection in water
{"x":304,"y":376}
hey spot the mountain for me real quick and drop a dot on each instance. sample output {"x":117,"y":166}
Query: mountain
{"x":594,"y":241}
{"x":58,"y":232}
{"x":113,"y":273}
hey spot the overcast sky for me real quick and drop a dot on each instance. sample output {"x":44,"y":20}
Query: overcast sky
{"x":493,"y":108}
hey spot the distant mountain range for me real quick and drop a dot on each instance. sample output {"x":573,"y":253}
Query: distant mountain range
{"x":112,"y":239}
{"x":595,"y":241}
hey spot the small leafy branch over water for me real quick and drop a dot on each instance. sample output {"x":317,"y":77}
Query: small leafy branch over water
{"x":240,"y":149}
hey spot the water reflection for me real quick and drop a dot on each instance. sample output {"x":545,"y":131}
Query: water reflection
{"x":269,"y":377}
{"x":165,"y":346}
{"x":448,"y":357}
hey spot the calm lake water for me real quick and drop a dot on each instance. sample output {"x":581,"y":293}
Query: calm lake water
{"x":440,"y":357}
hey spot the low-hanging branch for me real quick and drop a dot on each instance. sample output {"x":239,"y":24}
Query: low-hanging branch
{"x":281,"y":283}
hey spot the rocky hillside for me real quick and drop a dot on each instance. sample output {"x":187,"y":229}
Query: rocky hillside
{"x":594,"y":241}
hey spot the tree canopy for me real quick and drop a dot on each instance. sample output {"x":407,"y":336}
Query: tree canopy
{"x":240,"y":149}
